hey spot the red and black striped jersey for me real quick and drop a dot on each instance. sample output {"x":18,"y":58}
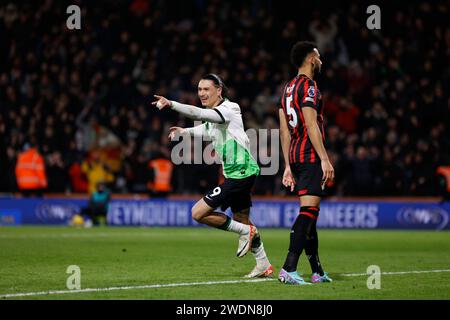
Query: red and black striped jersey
{"x":299,"y":93}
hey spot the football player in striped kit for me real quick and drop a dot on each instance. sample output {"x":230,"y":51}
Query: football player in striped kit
{"x":308,"y":167}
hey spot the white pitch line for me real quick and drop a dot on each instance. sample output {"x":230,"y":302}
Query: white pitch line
{"x":86,"y":235}
{"x":152,"y":286}
{"x":188,"y":284}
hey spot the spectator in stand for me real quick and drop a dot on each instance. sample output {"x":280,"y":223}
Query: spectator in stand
{"x":96,"y":171}
{"x":64,"y":87}
{"x":78,"y":179}
{"x":324,"y":33}
{"x":347,"y":115}
{"x":57,"y":175}
{"x":362,"y":179}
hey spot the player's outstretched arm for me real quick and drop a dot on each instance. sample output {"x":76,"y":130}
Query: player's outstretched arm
{"x":192,"y":112}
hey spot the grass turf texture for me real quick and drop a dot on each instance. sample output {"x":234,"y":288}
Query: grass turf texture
{"x":36,"y":259}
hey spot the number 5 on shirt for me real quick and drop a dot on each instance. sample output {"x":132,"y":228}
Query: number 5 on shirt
{"x":291,"y":111}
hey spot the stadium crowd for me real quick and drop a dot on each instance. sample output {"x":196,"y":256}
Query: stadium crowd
{"x":83,"y":96}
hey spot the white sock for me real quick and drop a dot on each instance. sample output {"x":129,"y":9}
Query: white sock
{"x":238,"y":227}
{"x":260,"y":256}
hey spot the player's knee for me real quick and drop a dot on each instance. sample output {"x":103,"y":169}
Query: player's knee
{"x":196,"y":214}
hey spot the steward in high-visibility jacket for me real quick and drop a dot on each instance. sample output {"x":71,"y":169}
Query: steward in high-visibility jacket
{"x":30,"y":171}
{"x":162,"y":169}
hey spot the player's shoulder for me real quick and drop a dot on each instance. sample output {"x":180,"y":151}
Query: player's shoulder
{"x":310,"y":82}
{"x":309,"y":87}
{"x":230,"y":105}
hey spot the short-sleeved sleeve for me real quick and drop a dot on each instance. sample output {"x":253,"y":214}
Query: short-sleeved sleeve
{"x":280,"y":100}
{"x":309,"y":94}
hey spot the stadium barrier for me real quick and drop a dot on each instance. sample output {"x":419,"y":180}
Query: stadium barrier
{"x":276,"y":213}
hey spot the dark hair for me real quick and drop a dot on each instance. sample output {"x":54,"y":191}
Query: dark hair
{"x":300,"y":51}
{"x":218,"y":82}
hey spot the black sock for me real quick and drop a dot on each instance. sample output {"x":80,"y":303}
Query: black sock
{"x":226,"y":224}
{"x":298,"y":238}
{"x":312,"y":252}
{"x":256,"y":241}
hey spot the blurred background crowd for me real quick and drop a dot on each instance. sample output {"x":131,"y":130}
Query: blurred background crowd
{"x":81,"y":98}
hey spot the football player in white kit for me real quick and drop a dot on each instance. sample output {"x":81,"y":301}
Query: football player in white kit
{"x":224,"y":126}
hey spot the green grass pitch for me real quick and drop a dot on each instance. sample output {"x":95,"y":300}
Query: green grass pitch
{"x":35,"y":259}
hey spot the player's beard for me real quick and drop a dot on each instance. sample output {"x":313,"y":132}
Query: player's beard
{"x":316,"y":68}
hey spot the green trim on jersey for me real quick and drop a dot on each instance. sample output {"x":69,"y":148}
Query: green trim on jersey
{"x":230,"y":143}
{"x":238,"y":163}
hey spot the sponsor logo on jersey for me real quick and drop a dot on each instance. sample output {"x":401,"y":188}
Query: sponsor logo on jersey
{"x":311,"y":92}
